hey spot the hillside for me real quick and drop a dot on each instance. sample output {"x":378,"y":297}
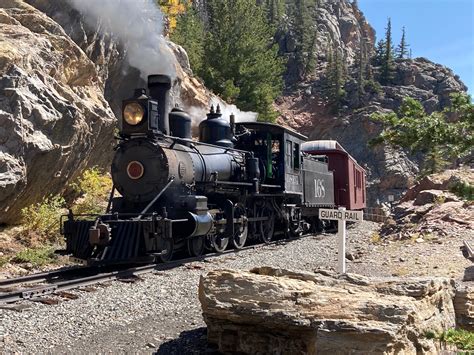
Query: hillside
{"x":306,"y":107}
{"x":63,"y":84}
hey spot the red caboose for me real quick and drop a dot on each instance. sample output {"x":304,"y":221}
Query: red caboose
{"x":349,"y":177}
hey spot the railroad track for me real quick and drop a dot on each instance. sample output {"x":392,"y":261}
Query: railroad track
{"x":56,"y":281}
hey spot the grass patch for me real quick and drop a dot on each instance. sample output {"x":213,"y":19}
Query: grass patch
{"x":462,"y":339}
{"x":36,"y":256}
{"x":401,"y":271}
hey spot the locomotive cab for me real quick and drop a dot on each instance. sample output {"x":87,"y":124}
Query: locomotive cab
{"x":278,"y":150}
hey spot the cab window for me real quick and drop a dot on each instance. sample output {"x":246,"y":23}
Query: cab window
{"x":296,"y":156}
{"x":289,"y":154}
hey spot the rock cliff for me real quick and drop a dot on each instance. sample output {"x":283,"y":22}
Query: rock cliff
{"x":54,"y":118}
{"x":62,"y":81}
{"x":305,"y":108}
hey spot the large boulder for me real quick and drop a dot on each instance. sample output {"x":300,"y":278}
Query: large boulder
{"x":54,"y":118}
{"x":275,"y":311}
{"x":464,"y":305}
{"x":63,"y":80}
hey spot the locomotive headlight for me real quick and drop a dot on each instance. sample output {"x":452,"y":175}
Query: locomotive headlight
{"x":133,"y":113}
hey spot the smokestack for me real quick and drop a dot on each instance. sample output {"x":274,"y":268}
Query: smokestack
{"x":159,"y":87}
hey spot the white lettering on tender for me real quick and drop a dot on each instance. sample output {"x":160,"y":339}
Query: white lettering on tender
{"x":319,"y":190}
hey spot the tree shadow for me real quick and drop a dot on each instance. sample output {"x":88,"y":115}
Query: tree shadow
{"x":189,"y":342}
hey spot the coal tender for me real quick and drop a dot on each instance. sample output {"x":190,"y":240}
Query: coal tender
{"x":172,"y":195}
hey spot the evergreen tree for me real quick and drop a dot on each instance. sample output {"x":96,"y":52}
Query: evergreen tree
{"x":304,"y":25}
{"x":402,"y":49}
{"x":275,"y":10}
{"x":437,"y":135}
{"x":387,"y":70}
{"x":379,"y":52}
{"x":189,"y":33}
{"x":335,"y":78}
{"x":242,"y":63}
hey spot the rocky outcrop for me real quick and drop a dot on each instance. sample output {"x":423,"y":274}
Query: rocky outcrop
{"x":62,"y":81}
{"x":338,"y":24}
{"x":277,"y":311}
{"x":390,"y":171}
{"x":54,"y":119}
{"x":430,"y":209}
{"x":464,"y":306}
{"x":305,"y":107}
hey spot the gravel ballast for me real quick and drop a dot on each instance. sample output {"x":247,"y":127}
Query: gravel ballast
{"x":149,"y":315}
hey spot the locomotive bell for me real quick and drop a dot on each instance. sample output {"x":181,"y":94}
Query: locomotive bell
{"x":216,"y":130}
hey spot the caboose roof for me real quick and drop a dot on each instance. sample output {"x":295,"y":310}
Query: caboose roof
{"x":327,"y":146}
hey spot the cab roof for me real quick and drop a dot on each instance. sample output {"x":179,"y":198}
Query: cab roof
{"x":272,"y":128}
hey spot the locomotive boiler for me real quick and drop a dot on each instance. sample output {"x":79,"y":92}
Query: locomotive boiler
{"x":239,"y":182}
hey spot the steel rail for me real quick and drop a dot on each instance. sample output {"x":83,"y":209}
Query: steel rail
{"x":56,"y":284}
{"x":44,"y":276}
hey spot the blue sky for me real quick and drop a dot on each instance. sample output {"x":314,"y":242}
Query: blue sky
{"x":440,"y":30}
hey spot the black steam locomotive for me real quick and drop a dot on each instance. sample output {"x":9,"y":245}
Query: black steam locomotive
{"x":240,"y":181}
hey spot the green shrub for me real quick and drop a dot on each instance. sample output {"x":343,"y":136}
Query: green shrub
{"x":372,"y":87}
{"x":94,"y":188}
{"x":4,"y":260}
{"x":36,"y":256}
{"x":41,"y":220}
{"x":463,"y":190}
{"x":463,"y":339}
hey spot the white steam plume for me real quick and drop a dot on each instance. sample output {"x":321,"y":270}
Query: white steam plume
{"x":138,"y":24}
{"x":199,"y":113}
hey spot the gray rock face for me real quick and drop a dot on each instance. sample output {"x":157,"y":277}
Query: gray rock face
{"x":54,"y":118}
{"x":339,"y":24}
{"x":274,"y":311}
{"x":62,"y":81}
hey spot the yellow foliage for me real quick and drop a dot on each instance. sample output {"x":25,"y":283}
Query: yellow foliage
{"x":172,"y":9}
{"x":94,"y":187}
{"x":41,"y":220}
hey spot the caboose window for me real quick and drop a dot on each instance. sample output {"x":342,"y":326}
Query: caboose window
{"x":289,"y":153}
{"x":296,"y":156}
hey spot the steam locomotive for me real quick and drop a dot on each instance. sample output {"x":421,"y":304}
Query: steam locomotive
{"x":238,"y":182}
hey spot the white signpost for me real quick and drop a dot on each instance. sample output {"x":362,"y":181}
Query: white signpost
{"x":341,"y":215}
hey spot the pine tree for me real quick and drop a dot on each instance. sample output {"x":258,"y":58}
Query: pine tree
{"x":335,"y":78}
{"x":402,"y":49}
{"x":379,"y":52}
{"x":437,"y":135}
{"x":303,"y":23}
{"x":275,"y":10}
{"x":387,"y":70}
{"x":189,"y":33}
{"x":242,"y":63}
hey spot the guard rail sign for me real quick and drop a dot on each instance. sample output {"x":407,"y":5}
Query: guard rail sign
{"x":341,"y":215}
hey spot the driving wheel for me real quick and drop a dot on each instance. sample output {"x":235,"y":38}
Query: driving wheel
{"x":196,"y":246}
{"x":167,"y":252}
{"x":241,"y":228}
{"x":267,"y":227}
